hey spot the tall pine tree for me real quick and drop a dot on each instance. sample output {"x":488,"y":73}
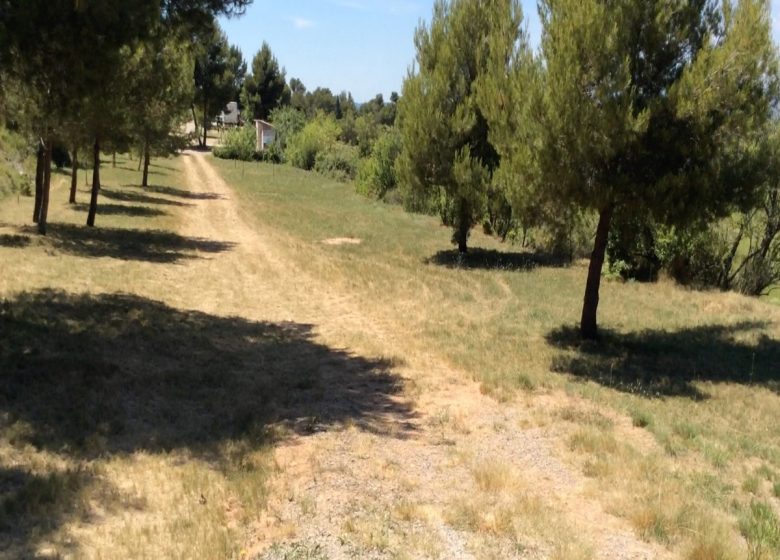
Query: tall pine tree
{"x":265,"y":88}
{"x":447,"y":158}
{"x":219,"y":73}
{"x":637,"y":108}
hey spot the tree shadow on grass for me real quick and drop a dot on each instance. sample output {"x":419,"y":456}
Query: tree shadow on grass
{"x":656,"y":363}
{"x":161,"y":166}
{"x":126,"y":168}
{"x":138,"y":198}
{"x":181,"y":193}
{"x":490,"y":259}
{"x":15,"y":241}
{"x":98,"y":376}
{"x":33,"y":505}
{"x":157,"y":246}
{"x":122,"y":210}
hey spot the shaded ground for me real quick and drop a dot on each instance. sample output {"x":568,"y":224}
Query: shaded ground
{"x":667,"y":363}
{"x":90,"y":376}
{"x":159,"y":246}
{"x":490,"y":259}
{"x":143,"y":376}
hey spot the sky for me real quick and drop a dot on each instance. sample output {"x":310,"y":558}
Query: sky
{"x":361,"y":46}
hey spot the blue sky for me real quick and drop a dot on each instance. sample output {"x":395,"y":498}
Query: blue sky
{"x":362,"y":46}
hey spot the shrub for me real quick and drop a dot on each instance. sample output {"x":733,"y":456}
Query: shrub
{"x":17,"y":163}
{"x":288,"y":122}
{"x":377,"y":173}
{"x":238,"y":143}
{"x":337,"y":161}
{"x":693,"y":258}
{"x":316,"y":136}
{"x":565,"y":234}
{"x":639,"y":249}
{"x":631,"y":250}
{"x":367,"y":131}
{"x":272,"y":154}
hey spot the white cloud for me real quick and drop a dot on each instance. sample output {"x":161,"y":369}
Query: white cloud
{"x":302,"y":23}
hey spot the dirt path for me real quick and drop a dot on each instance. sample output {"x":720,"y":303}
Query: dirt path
{"x":404,"y":481}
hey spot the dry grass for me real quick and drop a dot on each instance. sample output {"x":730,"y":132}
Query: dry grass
{"x":503,"y":512}
{"x":100,"y":458}
{"x":131,"y":427}
{"x":697,"y":371}
{"x":135,"y":426}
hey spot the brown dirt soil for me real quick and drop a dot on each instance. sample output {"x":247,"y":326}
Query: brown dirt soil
{"x":331,"y":481}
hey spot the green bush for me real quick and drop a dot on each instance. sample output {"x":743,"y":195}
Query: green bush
{"x":337,"y":161}
{"x":631,"y":250}
{"x":377,"y":175}
{"x":639,"y":249}
{"x":318,"y":135}
{"x":17,"y":164}
{"x":288,"y":122}
{"x":367,"y":132}
{"x":238,"y":143}
{"x":694,"y":258}
{"x":272,"y":154}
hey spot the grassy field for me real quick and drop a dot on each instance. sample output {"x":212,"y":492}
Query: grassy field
{"x":147,"y":394}
{"x":698,"y":371}
{"x":127,"y":425}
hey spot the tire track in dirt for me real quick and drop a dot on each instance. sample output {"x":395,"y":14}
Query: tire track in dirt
{"x":349,"y":472}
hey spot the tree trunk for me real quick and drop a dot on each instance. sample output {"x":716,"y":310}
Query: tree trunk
{"x":40,"y":156}
{"x":74,"y":176}
{"x":724,"y":276}
{"x":141,"y":157}
{"x":205,"y":123}
{"x":462,"y":228}
{"x":461,"y":237}
{"x":588,"y":325}
{"x":145,"y":182}
{"x":95,"y":185}
{"x":42,"y":218}
{"x":195,"y":120}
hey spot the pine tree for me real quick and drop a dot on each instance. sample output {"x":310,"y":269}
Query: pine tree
{"x":266,"y":87}
{"x":158,"y":78}
{"x":66,"y":54}
{"x":447,"y":156}
{"x":219,"y":74}
{"x":652,"y":108}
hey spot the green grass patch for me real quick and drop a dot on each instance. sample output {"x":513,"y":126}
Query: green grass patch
{"x":761,"y":528}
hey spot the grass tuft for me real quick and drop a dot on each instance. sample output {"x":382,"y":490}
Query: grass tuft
{"x":640,"y":418}
{"x":760,"y":527}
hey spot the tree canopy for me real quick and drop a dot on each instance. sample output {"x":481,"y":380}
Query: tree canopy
{"x":67,"y":57}
{"x":447,"y":156}
{"x":652,"y":107}
{"x":265,"y":88}
{"x":219,"y":74}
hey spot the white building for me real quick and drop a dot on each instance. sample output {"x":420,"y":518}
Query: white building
{"x":266,"y":134}
{"x":231,"y":116}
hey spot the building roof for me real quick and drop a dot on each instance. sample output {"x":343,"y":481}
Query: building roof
{"x":264,"y":123}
